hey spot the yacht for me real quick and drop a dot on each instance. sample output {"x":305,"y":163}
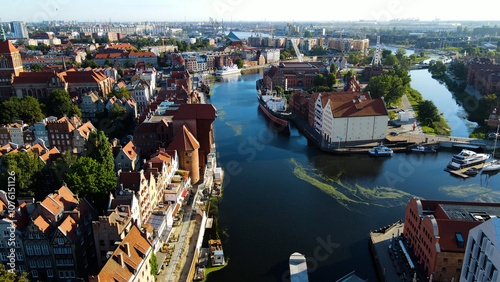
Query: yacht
{"x":233,"y":69}
{"x":467,"y":158}
{"x":423,"y":149}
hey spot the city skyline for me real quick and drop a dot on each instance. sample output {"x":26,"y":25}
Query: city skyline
{"x":239,"y":10}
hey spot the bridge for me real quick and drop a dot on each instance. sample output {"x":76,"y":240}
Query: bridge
{"x":418,"y":67}
{"x":450,"y":141}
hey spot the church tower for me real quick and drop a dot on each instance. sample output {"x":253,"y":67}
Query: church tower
{"x":10,"y":65}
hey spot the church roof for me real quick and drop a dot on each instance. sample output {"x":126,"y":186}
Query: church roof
{"x":184,"y":141}
{"x":7,"y":47}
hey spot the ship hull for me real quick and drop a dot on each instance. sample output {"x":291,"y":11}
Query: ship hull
{"x":272,"y":116}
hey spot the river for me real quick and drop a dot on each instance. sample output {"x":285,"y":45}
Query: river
{"x":438,"y":93}
{"x":282,"y":196}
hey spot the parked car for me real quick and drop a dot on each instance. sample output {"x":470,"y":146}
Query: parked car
{"x":394,"y":133}
{"x":393,"y":107}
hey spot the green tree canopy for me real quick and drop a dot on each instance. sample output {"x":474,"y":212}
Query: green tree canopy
{"x":400,"y":53}
{"x":353,"y":59}
{"x":390,"y":60}
{"x":333,"y":68}
{"x":60,"y":104}
{"x":26,"y":109}
{"x":319,"y":80}
{"x":239,"y":63}
{"x":99,"y":148}
{"x":428,"y":112}
{"x":89,"y":63}
{"x":27,"y":167}
{"x":331,"y":80}
{"x":307,"y":33}
{"x":386,"y":52}
{"x":93,"y":180}
{"x":318,"y":50}
{"x":117,"y":111}
{"x":279,"y":89}
{"x":36,"y":68}
{"x":388,"y":85}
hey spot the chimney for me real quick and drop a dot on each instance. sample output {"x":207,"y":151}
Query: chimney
{"x":119,"y":258}
{"x":126,"y":246}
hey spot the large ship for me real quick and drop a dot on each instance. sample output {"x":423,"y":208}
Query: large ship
{"x":274,"y":107}
{"x":233,"y":69}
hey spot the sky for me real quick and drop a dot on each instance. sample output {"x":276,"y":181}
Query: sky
{"x":246,"y":10}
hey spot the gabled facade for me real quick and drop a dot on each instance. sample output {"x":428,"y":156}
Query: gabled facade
{"x":128,"y":157}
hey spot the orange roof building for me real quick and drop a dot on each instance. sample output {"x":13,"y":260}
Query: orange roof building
{"x":129,"y":262}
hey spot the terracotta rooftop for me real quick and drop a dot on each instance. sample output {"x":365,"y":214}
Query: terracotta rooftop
{"x":68,"y":227}
{"x":184,"y":141}
{"x":375,"y":107}
{"x":7,"y":47}
{"x":130,"y":150}
{"x":43,"y":224}
{"x":196,"y":111}
{"x":132,"y":251}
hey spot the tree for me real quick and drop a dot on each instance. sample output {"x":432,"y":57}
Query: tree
{"x":428,"y":112}
{"x":319,"y":80}
{"x":282,"y":57}
{"x":318,"y":50}
{"x":60,"y":104}
{"x":107,"y":62}
{"x":353,"y":59}
{"x":117,"y":111}
{"x":62,"y":165}
{"x":98,"y":148}
{"x":413,"y":58}
{"x":153,"y":262}
{"x":89,"y":63}
{"x":333,"y":68}
{"x":385,"y":53}
{"x":36,"y":68}
{"x":307,"y":33}
{"x":7,"y":276}
{"x":239,"y":63}
{"x":27,"y":167}
{"x":390,"y":60}
{"x":400,"y":53}
{"x":26,"y":109}
{"x":93,"y":180}
{"x":422,"y":54}
{"x":331,"y":80}
{"x":388,"y":85}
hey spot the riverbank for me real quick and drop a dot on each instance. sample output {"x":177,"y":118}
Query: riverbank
{"x":439,"y":127}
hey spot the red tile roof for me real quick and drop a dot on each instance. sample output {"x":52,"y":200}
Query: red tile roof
{"x":43,"y":224}
{"x":184,"y":141}
{"x":373,"y":107}
{"x":131,"y":150}
{"x":7,"y":47}
{"x":196,"y":111}
{"x":132,"y":250}
{"x":68,"y":227}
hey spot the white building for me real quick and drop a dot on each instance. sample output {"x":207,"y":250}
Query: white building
{"x":349,"y":117}
{"x":482,"y":256}
{"x":271,"y":55}
{"x":16,"y":133}
{"x":142,"y":95}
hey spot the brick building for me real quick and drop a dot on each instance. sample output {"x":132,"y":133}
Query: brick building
{"x":437,"y":232}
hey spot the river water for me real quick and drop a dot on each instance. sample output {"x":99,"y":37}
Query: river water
{"x":282,"y":196}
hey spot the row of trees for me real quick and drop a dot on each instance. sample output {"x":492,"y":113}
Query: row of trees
{"x":92,"y":177}
{"x":391,"y":85}
{"x":30,"y":110}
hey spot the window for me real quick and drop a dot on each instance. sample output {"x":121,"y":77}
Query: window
{"x":19,"y":256}
{"x":48,"y":263}
{"x":61,"y":274}
{"x":50,"y":273}
{"x":60,"y":241}
{"x":45,"y":249}
{"x":37,"y":250}
{"x":3,"y":256}
{"x":32,"y":264}
{"x":40,"y":263}
{"x":29,"y":250}
{"x":34,"y":273}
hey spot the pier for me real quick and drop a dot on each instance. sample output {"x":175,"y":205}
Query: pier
{"x":461,"y":172}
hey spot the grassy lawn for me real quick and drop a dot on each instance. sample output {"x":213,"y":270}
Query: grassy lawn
{"x":211,"y":269}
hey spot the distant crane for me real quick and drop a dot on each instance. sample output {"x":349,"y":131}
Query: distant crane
{"x":376,"y":55}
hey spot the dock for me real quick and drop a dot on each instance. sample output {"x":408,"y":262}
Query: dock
{"x":460,"y":172}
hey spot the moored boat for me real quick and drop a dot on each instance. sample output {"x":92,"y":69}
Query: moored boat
{"x":467,"y":158}
{"x":380,"y":151}
{"x":233,"y":69}
{"x":423,"y":149}
{"x":494,"y":166}
{"x":273,"y":107}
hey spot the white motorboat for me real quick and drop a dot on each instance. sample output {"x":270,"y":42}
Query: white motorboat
{"x":467,"y":158}
{"x":380,"y":151}
{"x":492,"y":167}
